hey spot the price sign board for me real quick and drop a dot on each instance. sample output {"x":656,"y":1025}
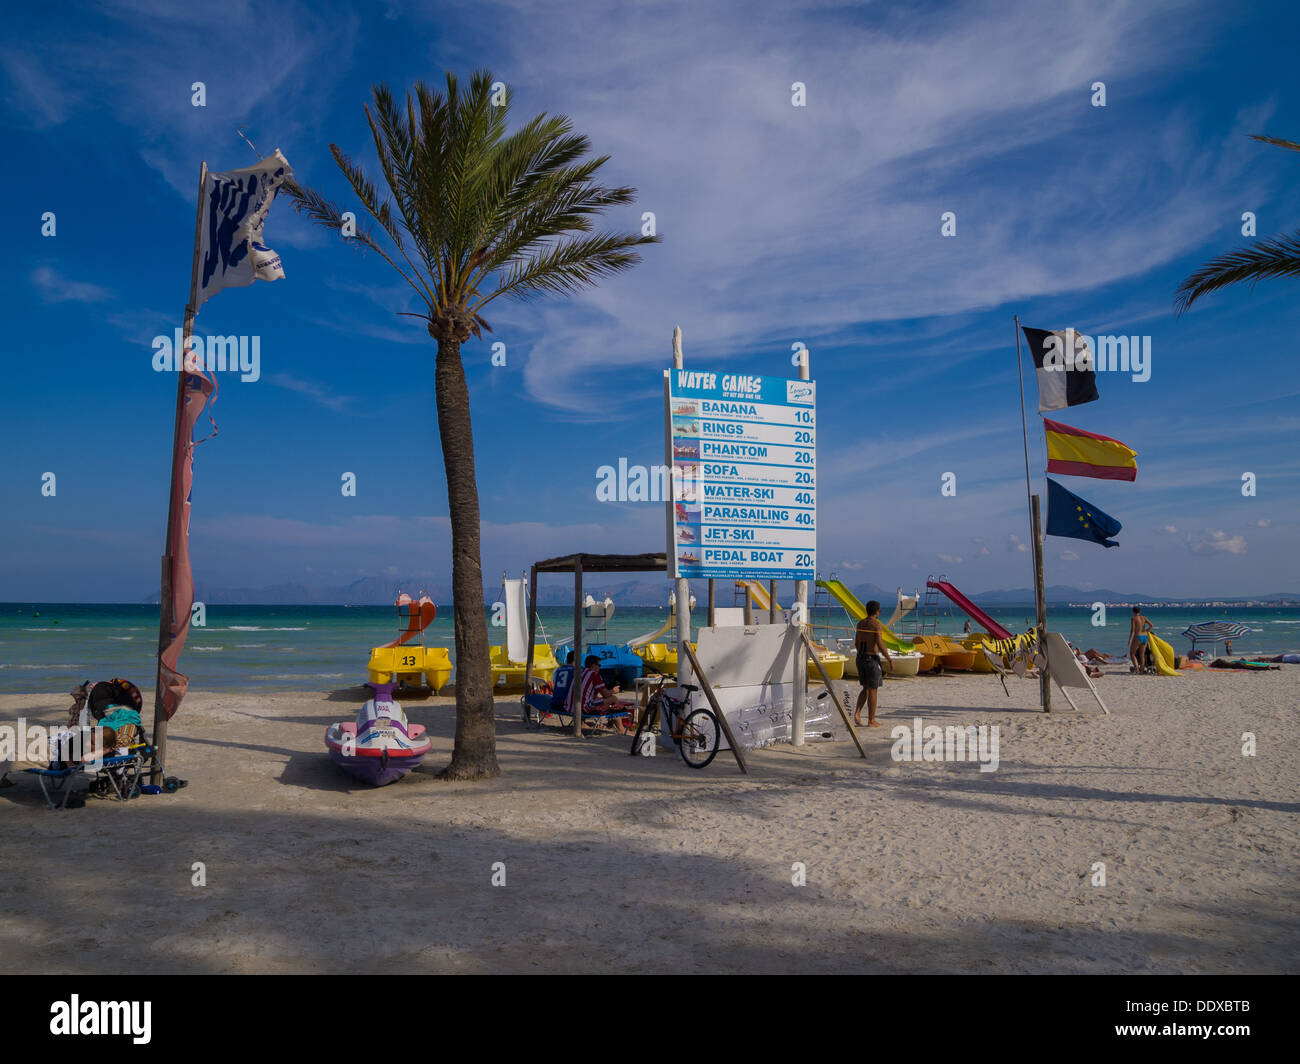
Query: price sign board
{"x":744,"y":476}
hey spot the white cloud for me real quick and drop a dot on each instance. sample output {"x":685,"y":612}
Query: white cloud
{"x":1068,"y":556}
{"x":1167,"y":530}
{"x":900,"y":125}
{"x":851,"y":566}
{"x":312,"y":390}
{"x":951,"y":559}
{"x":1263,"y":522}
{"x":43,"y":99}
{"x":1216,"y":543}
{"x":55,"y":288}
{"x":1014,"y":543}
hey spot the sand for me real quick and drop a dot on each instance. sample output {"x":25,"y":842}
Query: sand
{"x":622,"y":864}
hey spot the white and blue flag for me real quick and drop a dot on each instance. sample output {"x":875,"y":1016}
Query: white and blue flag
{"x":236,"y":202}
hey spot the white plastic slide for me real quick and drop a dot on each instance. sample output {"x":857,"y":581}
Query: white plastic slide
{"x":650,"y":637}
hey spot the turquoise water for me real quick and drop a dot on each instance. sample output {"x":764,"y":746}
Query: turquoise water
{"x":323,"y":647}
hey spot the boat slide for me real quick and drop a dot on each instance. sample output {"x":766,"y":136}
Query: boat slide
{"x":856,"y":611}
{"x":970,"y":609}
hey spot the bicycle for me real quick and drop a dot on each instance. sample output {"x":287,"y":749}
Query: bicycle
{"x":696,"y":733}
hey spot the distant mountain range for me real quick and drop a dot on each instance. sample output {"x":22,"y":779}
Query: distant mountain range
{"x":646,"y":591}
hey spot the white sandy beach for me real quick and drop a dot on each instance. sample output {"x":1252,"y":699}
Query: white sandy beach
{"x":622,"y":864}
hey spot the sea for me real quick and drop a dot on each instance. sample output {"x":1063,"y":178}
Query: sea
{"x":51,"y":647}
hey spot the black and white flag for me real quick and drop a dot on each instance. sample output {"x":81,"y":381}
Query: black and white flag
{"x":1063,"y":364}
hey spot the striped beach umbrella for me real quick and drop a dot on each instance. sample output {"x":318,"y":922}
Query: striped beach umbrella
{"x":1215,"y":632}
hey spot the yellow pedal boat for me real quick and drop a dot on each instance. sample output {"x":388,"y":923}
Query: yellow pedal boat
{"x":507,"y":673}
{"x":406,"y":666}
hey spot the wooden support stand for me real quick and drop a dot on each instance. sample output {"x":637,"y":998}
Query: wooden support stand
{"x":844,"y":713}
{"x":707,"y":688}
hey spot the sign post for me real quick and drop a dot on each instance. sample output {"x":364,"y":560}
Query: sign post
{"x":742,"y":451}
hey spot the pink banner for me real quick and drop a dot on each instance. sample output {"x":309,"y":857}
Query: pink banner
{"x":199,"y":389}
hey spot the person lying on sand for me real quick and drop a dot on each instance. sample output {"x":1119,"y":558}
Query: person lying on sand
{"x":1098,"y":658}
{"x":1088,"y":666}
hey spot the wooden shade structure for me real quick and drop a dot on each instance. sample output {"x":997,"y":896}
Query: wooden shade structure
{"x":578,"y":564}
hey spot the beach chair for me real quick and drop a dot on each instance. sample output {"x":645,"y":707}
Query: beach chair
{"x":119,"y":777}
{"x":57,"y":784}
{"x":539,"y":706}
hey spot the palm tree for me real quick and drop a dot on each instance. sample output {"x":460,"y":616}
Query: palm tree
{"x":475,"y":214}
{"x":1277,"y":256}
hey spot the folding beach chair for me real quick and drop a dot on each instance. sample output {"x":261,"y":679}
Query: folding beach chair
{"x":539,"y":706}
{"x":119,"y":777}
{"x":57,"y":784}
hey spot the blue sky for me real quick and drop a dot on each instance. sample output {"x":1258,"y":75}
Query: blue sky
{"x":780,"y":224}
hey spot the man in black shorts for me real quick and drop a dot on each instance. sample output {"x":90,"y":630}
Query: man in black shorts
{"x":869,"y":640}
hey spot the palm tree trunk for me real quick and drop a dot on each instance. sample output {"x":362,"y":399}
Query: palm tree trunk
{"x":475,"y":752}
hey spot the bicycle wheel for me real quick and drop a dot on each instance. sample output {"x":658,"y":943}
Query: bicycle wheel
{"x":699,"y":741}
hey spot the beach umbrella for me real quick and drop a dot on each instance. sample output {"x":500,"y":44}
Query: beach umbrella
{"x":1214,"y":632}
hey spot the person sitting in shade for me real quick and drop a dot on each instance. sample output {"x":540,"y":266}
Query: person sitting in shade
{"x":561,"y":683}
{"x":594,"y":698}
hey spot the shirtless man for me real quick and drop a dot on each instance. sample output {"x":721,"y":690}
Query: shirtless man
{"x":871,"y":645}
{"x":1137,"y":639}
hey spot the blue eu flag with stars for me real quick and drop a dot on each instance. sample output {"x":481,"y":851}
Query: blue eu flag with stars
{"x":1076,"y":518}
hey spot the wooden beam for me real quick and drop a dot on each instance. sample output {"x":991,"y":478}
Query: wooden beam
{"x":532,"y":638}
{"x":844,"y":713}
{"x":1040,"y":602}
{"x":707,"y":688}
{"x":577,"y":649}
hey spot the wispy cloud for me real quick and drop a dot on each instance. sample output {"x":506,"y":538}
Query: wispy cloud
{"x":314,"y":391}
{"x":53,"y":287}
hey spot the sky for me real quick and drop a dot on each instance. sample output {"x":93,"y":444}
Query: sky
{"x":781,"y":225}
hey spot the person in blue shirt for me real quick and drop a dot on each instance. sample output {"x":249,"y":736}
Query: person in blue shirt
{"x":562,"y":681}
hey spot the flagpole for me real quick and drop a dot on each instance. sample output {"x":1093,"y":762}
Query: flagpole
{"x":165,"y":618}
{"x":1036,"y":541}
{"x":1024,"y":426}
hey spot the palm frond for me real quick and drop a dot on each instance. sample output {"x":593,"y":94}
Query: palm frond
{"x":478,"y":212}
{"x":1290,"y":145}
{"x":569,"y":266}
{"x":1274,"y":257}
{"x":325,"y":213}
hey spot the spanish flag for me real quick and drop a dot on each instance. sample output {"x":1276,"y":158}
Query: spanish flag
{"x":1076,"y":453}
